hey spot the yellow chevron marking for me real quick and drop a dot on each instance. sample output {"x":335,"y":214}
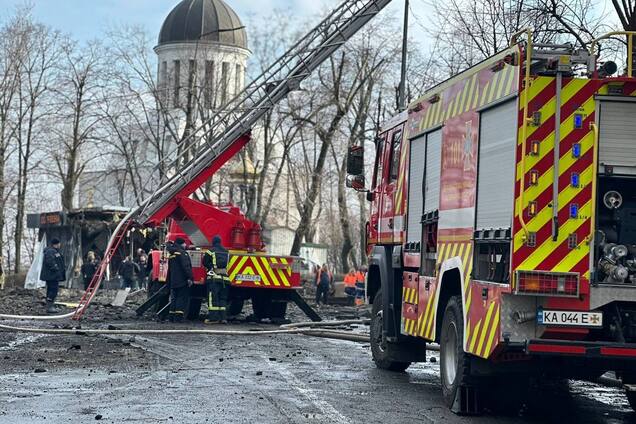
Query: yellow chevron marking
{"x":474,"y":338}
{"x":468,"y":300}
{"x":469,"y":269}
{"x":493,"y":333}
{"x":496,"y":79}
{"x":566,"y":128}
{"x":484,"y":329}
{"x":573,"y":257}
{"x":453,"y":251}
{"x":568,"y":227}
{"x":283,"y":277}
{"x":260,"y":272}
{"x":431,"y":318}
{"x":233,"y":259}
{"x":441,"y":247}
{"x":476,"y":96}
{"x":471,"y":93}
{"x":270,"y":271}
{"x":565,"y":197}
{"x":238,"y":267}
{"x":429,"y":312}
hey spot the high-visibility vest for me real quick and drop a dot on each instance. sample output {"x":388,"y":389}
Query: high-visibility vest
{"x":350,"y":280}
{"x":360,"y":277}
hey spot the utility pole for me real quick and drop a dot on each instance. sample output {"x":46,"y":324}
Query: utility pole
{"x":405,"y":36}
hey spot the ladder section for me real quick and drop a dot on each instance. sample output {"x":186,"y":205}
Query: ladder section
{"x":113,"y":244}
{"x":236,"y":118}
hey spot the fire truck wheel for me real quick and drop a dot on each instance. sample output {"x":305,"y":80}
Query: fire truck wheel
{"x":265,"y":307}
{"x":379,"y":348}
{"x":235,"y":307}
{"x":454,"y":362}
{"x":194,"y":309}
{"x":630,"y":378}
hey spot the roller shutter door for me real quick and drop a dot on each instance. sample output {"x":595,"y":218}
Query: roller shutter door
{"x":433,"y":170}
{"x":617,"y":138}
{"x":416,"y":199}
{"x":495,"y":182}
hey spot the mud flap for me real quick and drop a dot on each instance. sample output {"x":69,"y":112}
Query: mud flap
{"x":467,"y":401}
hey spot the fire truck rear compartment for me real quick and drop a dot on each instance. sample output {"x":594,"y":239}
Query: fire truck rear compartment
{"x":615,"y":239}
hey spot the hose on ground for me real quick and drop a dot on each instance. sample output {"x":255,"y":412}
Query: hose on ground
{"x":341,"y":335}
{"x":325,"y":323}
{"x":36,"y":317}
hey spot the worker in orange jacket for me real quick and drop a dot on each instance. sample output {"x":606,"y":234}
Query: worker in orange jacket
{"x":350,"y":283}
{"x":359,"y":287}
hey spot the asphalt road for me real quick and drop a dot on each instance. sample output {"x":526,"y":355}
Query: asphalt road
{"x":274,"y":379}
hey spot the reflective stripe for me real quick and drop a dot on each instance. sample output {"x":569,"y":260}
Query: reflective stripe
{"x":216,"y":308}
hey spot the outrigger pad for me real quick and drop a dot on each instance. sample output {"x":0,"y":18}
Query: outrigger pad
{"x":467,"y":401}
{"x":153,"y":300}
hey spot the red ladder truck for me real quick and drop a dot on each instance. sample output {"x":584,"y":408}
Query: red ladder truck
{"x":503,"y":223}
{"x":229,"y":131}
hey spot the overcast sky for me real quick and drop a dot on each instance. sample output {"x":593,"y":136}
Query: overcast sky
{"x":86,"y":19}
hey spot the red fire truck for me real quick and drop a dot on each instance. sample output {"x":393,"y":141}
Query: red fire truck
{"x":503,"y":223}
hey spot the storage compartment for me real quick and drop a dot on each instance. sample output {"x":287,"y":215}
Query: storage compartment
{"x":615,"y":241}
{"x":496,"y":169}
{"x":617,"y":144}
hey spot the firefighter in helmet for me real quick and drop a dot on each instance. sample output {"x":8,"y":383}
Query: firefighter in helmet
{"x":217,"y":281}
{"x":180,"y":278}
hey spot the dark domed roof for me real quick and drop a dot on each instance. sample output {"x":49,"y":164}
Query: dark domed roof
{"x":206,"y":20}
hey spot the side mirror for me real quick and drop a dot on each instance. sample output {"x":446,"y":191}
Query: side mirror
{"x":355,"y":160}
{"x":355,"y":182}
{"x":370,"y":196}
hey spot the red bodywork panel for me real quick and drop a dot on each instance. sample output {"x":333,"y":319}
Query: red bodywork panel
{"x":166,"y":212}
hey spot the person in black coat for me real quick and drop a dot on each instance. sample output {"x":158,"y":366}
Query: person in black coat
{"x":217,"y":281}
{"x":89,"y":269}
{"x":53,"y":272}
{"x":180,"y":278}
{"x":128,"y":270}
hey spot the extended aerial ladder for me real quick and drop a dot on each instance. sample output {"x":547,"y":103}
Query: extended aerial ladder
{"x":229,"y":127}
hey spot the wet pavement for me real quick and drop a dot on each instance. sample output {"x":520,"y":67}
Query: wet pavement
{"x":264,"y":379}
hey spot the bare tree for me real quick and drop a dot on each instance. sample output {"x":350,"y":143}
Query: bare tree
{"x":36,"y":73}
{"x":78,"y":88}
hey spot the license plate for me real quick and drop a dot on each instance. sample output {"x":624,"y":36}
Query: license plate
{"x":570,"y":318}
{"x":248,"y":277}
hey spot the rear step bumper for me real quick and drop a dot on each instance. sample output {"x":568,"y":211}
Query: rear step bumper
{"x":604,"y":350}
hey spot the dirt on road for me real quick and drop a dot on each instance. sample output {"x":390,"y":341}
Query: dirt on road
{"x":238,"y":379}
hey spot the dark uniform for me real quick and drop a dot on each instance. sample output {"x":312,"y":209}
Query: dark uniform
{"x":217,"y":281}
{"x":53,"y":272}
{"x":180,"y":278}
{"x":88,"y":270}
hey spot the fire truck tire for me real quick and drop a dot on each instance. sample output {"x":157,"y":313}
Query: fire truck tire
{"x":194,"y":309}
{"x":454,"y":362}
{"x":235,"y":307}
{"x":379,"y":350}
{"x":278,"y":310}
{"x":265,"y":307}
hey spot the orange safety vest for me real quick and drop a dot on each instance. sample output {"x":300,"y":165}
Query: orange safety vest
{"x":350,"y":280}
{"x":360,"y":277}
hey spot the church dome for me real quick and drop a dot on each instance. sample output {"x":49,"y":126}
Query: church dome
{"x":203,"y":20}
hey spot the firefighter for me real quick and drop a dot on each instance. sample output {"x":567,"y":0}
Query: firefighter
{"x":53,"y":272}
{"x":180,"y":278}
{"x":217,"y":281}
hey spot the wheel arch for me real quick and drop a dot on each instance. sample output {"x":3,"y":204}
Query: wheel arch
{"x":450,"y":284}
